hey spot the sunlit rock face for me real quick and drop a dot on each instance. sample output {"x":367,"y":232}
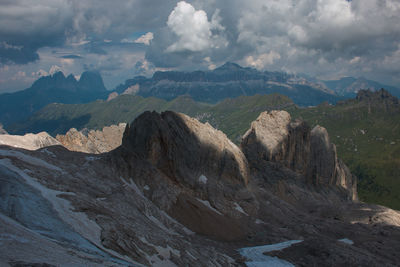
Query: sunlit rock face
{"x":28,"y":141}
{"x":93,"y":141}
{"x":274,"y":137}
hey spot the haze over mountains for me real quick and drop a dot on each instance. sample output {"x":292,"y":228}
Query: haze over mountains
{"x":55,"y":88}
{"x":227,"y":81}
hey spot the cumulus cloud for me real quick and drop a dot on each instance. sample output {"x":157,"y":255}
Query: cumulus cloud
{"x":263,"y":60}
{"x":145,"y":38}
{"x":326,"y":38}
{"x":193,"y":30}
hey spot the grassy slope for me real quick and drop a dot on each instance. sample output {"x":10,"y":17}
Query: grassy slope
{"x":368,"y":142}
{"x":233,"y":116}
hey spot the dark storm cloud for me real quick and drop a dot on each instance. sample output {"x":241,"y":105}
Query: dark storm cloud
{"x":53,"y":23}
{"x":71,"y":57}
{"x":318,"y":37}
{"x":25,"y":27}
{"x":312,"y":36}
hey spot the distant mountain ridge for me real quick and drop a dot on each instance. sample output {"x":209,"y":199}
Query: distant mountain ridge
{"x":349,"y":86}
{"x":50,"y":89}
{"x":228,"y":81}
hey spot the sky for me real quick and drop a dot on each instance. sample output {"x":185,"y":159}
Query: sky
{"x":327,"y":39}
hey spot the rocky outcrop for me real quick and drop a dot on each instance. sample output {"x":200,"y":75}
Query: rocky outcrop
{"x":273,"y":137}
{"x":28,"y":141}
{"x":184,"y":148}
{"x":94,"y":141}
{"x":199,"y":172}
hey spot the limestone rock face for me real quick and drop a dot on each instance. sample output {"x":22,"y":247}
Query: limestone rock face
{"x":324,"y":166}
{"x":273,"y":137}
{"x":198,"y":173}
{"x":184,"y":148}
{"x":28,"y":141}
{"x":94,"y":141}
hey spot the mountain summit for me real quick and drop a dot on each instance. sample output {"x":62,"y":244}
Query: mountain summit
{"x":50,"y":89}
{"x":227,"y":81}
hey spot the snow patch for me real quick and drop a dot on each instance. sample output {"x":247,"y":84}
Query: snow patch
{"x":146,"y":187}
{"x":203,"y":179}
{"x":257,"y":258}
{"x":346,"y":241}
{"x":77,"y":220}
{"x":208,"y":205}
{"x":239,"y":208}
{"x":29,"y":159}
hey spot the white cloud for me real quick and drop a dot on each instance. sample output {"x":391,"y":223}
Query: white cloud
{"x":193,"y":29}
{"x":39,"y":73}
{"x":145,"y":38}
{"x":263,"y":60}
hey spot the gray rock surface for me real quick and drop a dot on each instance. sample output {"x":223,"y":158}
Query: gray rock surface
{"x":173,"y":194}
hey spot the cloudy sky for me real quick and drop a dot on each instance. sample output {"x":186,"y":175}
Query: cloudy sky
{"x":328,"y":39}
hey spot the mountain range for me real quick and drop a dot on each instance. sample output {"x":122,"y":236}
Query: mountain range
{"x":349,"y":86}
{"x":227,"y":81}
{"x":54,"y":88}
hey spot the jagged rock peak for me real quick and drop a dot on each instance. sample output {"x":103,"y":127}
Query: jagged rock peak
{"x":184,"y":148}
{"x":93,"y":141}
{"x":91,"y":80}
{"x":273,"y":137}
